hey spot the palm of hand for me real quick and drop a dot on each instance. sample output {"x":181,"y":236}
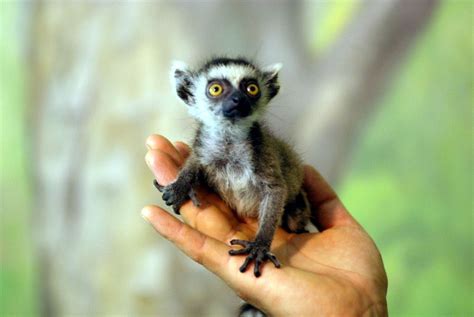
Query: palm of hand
{"x":337,"y":271}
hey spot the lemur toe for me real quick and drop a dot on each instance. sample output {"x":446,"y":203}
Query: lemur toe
{"x":246,"y":263}
{"x":158,"y":186}
{"x":274,"y":259}
{"x":258,"y":261}
{"x":176,"y":210}
{"x":243,"y":243}
{"x":239,"y":252}
{"x":194,"y":198}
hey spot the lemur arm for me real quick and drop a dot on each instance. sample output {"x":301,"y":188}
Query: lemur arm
{"x":271,"y":211}
{"x":183,"y":188}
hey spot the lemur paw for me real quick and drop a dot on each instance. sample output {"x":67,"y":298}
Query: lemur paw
{"x":257,"y":252}
{"x":175,"y":195}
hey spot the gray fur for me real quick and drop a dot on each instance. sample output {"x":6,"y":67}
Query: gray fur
{"x":257,"y":174}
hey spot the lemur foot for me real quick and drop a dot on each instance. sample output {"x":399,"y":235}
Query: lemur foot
{"x":176,"y":195}
{"x":257,"y":252}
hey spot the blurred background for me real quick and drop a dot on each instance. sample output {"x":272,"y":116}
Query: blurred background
{"x":376,"y":94}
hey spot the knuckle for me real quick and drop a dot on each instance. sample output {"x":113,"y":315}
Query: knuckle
{"x":197,"y":254}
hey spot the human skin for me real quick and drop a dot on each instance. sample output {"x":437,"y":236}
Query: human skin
{"x":335,"y":272}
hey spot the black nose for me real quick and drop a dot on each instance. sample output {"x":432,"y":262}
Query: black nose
{"x":236,"y":99}
{"x":237,"y":105}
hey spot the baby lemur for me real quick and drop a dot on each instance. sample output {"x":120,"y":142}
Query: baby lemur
{"x":235,"y":154}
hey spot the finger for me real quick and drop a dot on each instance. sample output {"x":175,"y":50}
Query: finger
{"x":162,"y":165}
{"x":203,"y":249}
{"x":318,"y":190}
{"x":212,"y":254}
{"x":327,"y":209}
{"x":183,"y":149}
{"x":159,"y":142}
{"x":210,"y":220}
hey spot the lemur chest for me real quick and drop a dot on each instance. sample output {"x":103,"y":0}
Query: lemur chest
{"x":230,"y":171}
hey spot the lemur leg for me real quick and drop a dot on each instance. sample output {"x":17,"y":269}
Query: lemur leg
{"x":271,"y":210}
{"x":183,"y":188}
{"x":297,"y":214}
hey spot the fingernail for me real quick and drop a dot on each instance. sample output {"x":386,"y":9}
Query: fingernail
{"x":149,"y":143}
{"x":148,"y":158}
{"x":146,"y":213}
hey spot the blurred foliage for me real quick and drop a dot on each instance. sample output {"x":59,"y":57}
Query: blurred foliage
{"x":410,"y":182}
{"x":16,"y":257}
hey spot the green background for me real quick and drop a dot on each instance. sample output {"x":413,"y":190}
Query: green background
{"x":409,"y":181}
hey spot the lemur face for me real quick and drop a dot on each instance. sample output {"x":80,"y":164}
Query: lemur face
{"x":226,"y":90}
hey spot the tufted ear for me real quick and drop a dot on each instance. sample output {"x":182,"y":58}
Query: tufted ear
{"x":270,"y":76}
{"x":181,"y":78}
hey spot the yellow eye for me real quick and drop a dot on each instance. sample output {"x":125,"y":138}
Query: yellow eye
{"x":252,"y":89}
{"x":215,"y":90}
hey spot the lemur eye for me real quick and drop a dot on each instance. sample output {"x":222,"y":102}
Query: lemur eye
{"x":252,"y":89}
{"x":215,"y":90}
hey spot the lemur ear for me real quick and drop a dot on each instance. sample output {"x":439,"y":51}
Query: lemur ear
{"x":271,"y":71}
{"x":181,"y":79}
{"x":270,"y":75}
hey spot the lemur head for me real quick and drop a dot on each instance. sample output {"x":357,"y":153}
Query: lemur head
{"x":226,"y":90}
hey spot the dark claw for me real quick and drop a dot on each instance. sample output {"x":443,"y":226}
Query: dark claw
{"x":166,"y":196}
{"x":158,"y":186}
{"x":176,"y":210}
{"x":256,"y":270}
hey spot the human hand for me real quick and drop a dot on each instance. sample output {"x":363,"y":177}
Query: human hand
{"x":337,"y":271}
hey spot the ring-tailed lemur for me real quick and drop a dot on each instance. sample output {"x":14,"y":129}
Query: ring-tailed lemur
{"x":257,"y":174}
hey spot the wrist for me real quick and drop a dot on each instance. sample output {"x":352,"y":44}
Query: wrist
{"x":376,"y":310}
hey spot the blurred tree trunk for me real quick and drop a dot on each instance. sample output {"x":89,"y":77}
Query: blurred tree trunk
{"x":100,"y":86}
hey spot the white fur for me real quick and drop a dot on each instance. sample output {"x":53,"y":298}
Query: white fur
{"x":177,"y":65}
{"x":273,"y":69}
{"x":233,"y":73}
{"x":235,"y":181}
{"x":238,"y":187}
